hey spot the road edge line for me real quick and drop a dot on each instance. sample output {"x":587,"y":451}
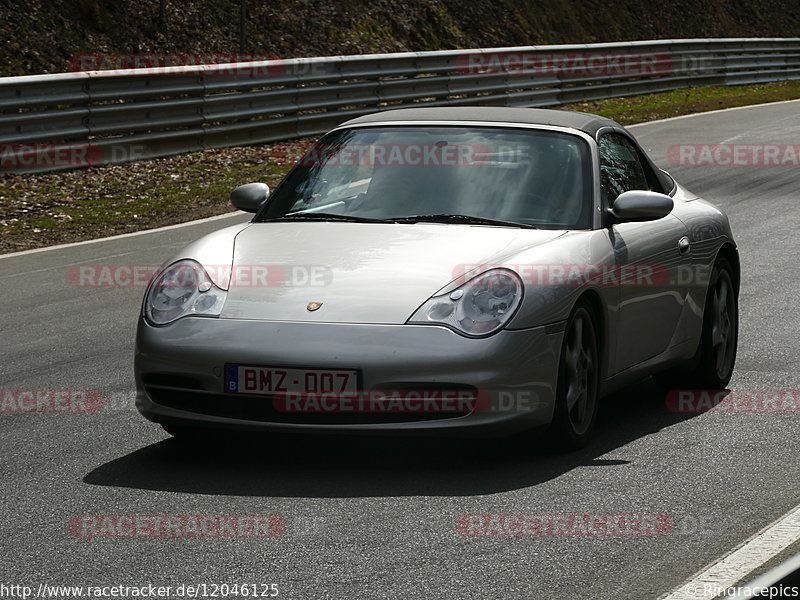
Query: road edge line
{"x":739,"y":564}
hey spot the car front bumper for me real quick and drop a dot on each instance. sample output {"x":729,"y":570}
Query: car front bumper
{"x":180,"y":370}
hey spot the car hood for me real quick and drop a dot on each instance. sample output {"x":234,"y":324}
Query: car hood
{"x":358,"y":272}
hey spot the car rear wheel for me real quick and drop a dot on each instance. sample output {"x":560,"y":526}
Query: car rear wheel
{"x":578,"y":377}
{"x":716,"y":355}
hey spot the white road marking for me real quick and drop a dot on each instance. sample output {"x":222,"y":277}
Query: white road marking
{"x":738,"y":565}
{"x":708,"y":112}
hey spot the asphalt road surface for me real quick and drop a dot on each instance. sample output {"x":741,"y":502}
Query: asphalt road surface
{"x":376,"y":518}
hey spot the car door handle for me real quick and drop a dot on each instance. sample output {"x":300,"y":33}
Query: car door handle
{"x":684,"y":245}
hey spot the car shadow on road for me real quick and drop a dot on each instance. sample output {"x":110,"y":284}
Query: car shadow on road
{"x":348,"y":467}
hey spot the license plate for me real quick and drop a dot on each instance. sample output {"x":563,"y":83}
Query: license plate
{"x":248,"y":379}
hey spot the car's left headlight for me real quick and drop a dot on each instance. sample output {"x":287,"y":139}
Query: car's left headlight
{"x":478,"y":308}
{"x":183,"y":288}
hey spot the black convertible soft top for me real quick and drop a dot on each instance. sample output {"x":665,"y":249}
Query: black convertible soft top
{"x":585,"y":122}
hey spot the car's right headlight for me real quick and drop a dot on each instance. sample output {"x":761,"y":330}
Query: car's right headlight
{"x":183,"y":288}
{"x":480,"y":307}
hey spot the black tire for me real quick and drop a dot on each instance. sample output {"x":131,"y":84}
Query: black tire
{"x":577,"y":400}
{"x":712,"y":366}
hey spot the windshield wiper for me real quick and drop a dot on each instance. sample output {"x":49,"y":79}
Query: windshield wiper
{"x":320,"y":216}
{"x":465,"y":219}
{"x":443,"y":218}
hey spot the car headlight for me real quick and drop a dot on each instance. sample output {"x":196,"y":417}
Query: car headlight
{"x":480,"y":307}
{"x":183,"y":288}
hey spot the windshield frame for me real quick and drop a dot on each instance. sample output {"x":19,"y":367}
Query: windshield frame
{"x":592,"y":185}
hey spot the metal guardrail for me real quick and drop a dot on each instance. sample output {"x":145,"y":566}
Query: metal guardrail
{"x":57,"y":121}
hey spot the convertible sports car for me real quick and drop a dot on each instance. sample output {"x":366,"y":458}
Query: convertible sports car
{"x":444,"y":270}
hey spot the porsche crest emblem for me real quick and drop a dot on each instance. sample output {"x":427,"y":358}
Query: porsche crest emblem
{"x":312,"y":306}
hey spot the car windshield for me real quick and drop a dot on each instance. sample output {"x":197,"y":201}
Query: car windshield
{"x":480,"y":175}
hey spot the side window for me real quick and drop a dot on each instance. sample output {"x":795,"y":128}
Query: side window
{"x":620,"y":167}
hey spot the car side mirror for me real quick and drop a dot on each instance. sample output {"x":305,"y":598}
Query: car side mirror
{"x":640,"y":205}
{"x":250,"y":196}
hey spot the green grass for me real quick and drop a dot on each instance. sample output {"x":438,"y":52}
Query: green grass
{"x":39,"y":210}
{"x":649,"y":107}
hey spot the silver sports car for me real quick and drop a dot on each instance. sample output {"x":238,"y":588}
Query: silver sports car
{"x":444,"y":270}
